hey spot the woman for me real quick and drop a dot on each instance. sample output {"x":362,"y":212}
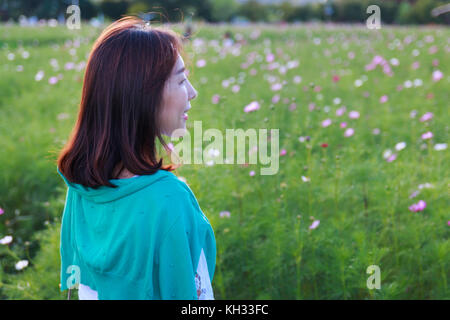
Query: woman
{"x":131,"y":229}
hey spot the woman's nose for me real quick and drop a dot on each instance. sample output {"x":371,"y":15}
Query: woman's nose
{"x":193,"y":93}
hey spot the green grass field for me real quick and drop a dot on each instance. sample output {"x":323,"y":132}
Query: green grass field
{"x":363,"y":119}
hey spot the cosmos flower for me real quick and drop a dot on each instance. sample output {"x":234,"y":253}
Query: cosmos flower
{"x":305,"y":179}
{"x":384,"y":99}
{"x":419,"y":206}
{"x":235,"y":88}
{"x":201,"y":63}
{"x":326,"y":123}
{"x":340,"y":111}
{"x":170,"y":146}
{"x":253,"y":106}
{"x":297,"y":79}
{"x":270,"y":57}
{"x":353,"y":114}
{"x":276,"y":98}
{"x":283,"y":152}
{"x":276,"y":87}
{"x":349,"y":132}
{"x":437,"y":75}
{"x":224,"y":214}
{"x":21,"y":264}
{"x":400,"y":146}
{"x":387,"y":153}
{"x":39,"y":75}
{"x":215,"y":99}
{"x":6,"y":240}
{"x":427,"y":116}
{"x":251,"y":173}
{"x":53,"y":80}
{"x":440,"y":146}
{"x":1,"y":211}
{"x":392,"y":157}
{"x":314,"y":225}
{"x":427,"y":135}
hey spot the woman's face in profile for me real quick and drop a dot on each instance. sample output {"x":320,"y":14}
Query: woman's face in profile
{"x":177,"y":94}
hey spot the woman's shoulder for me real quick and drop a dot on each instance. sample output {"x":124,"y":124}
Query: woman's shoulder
{"x":172,"y":186}
{"x":180,"y":200}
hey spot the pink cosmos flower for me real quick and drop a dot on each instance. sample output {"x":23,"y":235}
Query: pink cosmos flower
{"x":224,"y":214}
{"x":276,"y":98}
{"x":427,"y":135}
{"x":53,"y":80}
{"x":340,"y":111}
{"x":201,"y":63}
{"x":336,"y":78}
{"x":414,"y":194}
{"x":215,"y":99}
{"x":353,"y":114}
{"x":251,"y":173}
{"x":276,"y":86}
{"x":270,"y":57}
{"x":326,"y":123}
{"x":170,"y":146}
{"x":384,"y":99}
{"x":437,"y":75}
{"x":235,"y":88}
{"x":314,"y":225}
{"x":283,"y":152}
{"x":253,"y":106}
{"x":419,"y":206}
{"x":69,"y":66}
{"x":349,"y":132}
{"x":427,"y":116}
{"x":392,"y":157}
{"x":343,"y":124}
{"x":297,"y":79}
{"x":2,"y":211}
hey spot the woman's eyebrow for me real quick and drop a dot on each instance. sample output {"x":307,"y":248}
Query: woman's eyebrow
{"x":180,"y":71}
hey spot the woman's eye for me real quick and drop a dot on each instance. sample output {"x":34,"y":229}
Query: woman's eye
{"x":183,"y":81}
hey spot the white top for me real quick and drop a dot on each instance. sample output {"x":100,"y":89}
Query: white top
{"x":202,"y":283}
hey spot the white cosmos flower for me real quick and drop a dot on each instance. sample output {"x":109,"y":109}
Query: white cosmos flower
{"x":21,"y":264}
{"x":440,"y":146}
{"x":387,"y":153}
{"x":6,"y":240}
{"x":400,"y":146}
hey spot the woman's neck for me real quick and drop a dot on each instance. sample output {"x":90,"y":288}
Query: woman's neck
{"x":124,"y":174}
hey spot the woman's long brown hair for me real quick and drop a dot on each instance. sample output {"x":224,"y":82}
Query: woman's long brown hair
{"x":120,"y":104}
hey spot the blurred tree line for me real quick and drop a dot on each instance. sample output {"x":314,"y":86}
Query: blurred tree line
{"x":392,"y":11}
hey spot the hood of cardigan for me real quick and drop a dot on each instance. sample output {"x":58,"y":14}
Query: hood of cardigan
{"x":125,"y":187}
